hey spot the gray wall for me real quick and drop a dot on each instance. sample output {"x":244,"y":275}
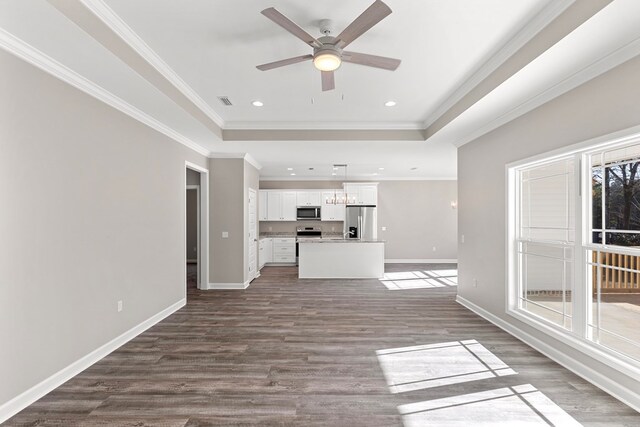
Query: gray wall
{"x":417,"y":214}
{"x":91,"y":212}
{"x":604,"y":105}
{"x":193,"y":177}
{"x":192,"y":225}
{"x":418,"y":217}
{"x":230,"y":180}
{"x":226,"y":211}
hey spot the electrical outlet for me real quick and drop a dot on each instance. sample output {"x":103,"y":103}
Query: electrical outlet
{"x":475,"y":283}
{"x":434,"y":249}
{"x":462,"y":238}
{"x":119,"y":306}
{"x":225,"y":234}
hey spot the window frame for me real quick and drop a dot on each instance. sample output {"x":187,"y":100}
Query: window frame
{"x":578,"y":337}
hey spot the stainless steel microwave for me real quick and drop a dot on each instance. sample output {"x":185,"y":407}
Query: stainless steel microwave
{"x":308,"y":213}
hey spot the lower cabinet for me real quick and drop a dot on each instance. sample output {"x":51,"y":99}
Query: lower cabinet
{"x":279,"y":250}
{"x":265,"y":252}
{"x":284,"y":250}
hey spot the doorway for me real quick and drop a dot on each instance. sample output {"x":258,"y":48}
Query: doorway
{"x":196,"y":227}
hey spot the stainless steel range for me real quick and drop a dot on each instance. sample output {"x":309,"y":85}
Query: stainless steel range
{"x":307,"y":233}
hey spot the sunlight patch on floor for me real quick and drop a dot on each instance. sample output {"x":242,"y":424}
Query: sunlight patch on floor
{"x":434,"y":365}
{"x":521,"y":405}
{"x":420,"y":279}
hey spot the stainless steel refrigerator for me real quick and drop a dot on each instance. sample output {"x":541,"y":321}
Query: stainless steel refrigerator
{"x":361,"y":222}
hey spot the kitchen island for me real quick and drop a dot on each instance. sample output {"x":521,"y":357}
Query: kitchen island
{"x":340,"y":259}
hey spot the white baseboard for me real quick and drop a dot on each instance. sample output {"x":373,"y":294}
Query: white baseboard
{"x":18,"y":403}
{"x":219,"y":286}
{"x":624,"y":394}
{"x":421,"y":261}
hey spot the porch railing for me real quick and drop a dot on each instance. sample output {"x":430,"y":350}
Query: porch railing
{"x":620,"y":273}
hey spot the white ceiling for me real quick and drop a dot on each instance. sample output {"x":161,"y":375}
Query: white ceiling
{"x":214,"y":45}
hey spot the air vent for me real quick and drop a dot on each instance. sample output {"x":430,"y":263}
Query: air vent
{"x":225,"y":100}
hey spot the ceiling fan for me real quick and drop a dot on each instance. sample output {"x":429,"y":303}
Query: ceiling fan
{"x":328,"y":51}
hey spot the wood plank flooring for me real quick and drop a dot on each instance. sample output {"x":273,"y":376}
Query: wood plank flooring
{"x":304,"y":353}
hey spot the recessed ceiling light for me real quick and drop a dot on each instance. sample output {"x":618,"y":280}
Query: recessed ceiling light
{"x":375,"y":173}
{"x":334,"y":174}
{"x":292,"y":174}
{"x":390,"y":104}
{"x":289,"y":169}
{"x":380,"y":169}
{"x":335,"y":168}
{"x":257,"y":103}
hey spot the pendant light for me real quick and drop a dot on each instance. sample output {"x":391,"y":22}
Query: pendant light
{"x":343,"y":199}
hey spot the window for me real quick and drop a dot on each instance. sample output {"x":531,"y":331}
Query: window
{"x":574,"y":248}
{"x":545,"y":240}
{"x":613,"y":253}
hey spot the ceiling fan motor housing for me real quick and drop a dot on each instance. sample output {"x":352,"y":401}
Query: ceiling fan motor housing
{"x":328,"y":46}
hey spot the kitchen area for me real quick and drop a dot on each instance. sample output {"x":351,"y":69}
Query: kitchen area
{"x":327,"y":233}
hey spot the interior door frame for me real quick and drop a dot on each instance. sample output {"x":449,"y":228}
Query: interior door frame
{"x":203,"y":225}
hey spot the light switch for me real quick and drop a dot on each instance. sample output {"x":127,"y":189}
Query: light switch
{"x":225,"y":234}
{"x":384,"y":228}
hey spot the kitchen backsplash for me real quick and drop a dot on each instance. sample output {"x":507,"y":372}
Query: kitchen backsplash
{"x":290,"y":226}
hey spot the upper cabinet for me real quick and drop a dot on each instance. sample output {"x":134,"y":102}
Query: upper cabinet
{"x":308,"y":198}
{"x":363,"y":193}
{"x":281,"y":206}
{"x":331,"y":212}
{"x":262,"y":205}
{"x":289,"y":206}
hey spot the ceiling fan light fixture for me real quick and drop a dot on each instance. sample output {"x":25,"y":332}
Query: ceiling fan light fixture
{"x":327,"y":60}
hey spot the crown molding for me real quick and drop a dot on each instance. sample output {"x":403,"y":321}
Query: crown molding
{"x":596,"y":68}
{"x":543,"y":18}
{"x":246,"y":156}
{"x":311,"y":126}
{"x":119,"y":27}
{"x":28,"y":53}
{"x":354,"y":179}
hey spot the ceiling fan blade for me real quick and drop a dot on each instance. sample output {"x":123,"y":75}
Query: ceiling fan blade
{"x":283,"y":62}
{"x":290,"y":26}
{"x":328,"y":80}
{"x":371,"y":60}
{"x":370,"y":17}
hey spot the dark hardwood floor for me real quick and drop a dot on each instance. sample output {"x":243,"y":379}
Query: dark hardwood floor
{"x":317,"y":353}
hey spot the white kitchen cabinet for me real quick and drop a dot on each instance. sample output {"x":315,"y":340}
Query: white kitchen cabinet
{"x":281,"y":205}
{"x":331,"y":212}
{"x":274,"y":206}
{"x":308,"y":198}
{"x":265,"y":251}
{"x":262,"y":205}
{"x":368,"y":195}
{"x":284,"y":250}
{"x":289,"y":206}
{"x":364,"y":194}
